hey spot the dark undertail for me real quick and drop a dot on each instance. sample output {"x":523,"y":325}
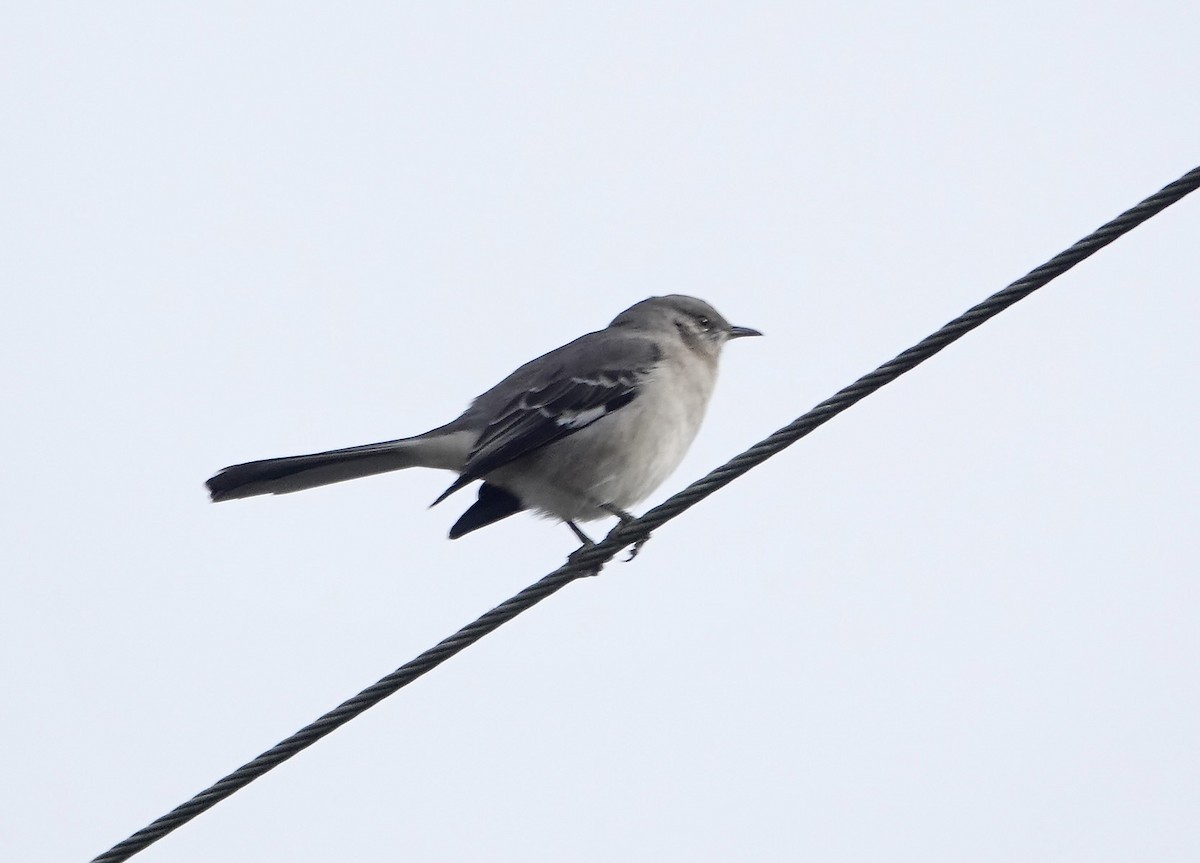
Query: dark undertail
{"x":494,"y":504}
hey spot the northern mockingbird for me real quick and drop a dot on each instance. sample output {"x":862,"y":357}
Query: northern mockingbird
{"x":583,"y":432}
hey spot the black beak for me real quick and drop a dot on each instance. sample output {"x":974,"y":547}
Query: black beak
{"x":742,"y":332}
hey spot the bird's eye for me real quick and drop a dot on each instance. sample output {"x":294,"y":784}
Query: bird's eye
{"x":705,"y":323}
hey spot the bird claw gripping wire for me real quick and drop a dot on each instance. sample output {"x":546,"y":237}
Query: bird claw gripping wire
{"x":625,"y":519}
{"x":588,"y":545}
{"x":636,"y":547}
{"x":587,"y":542}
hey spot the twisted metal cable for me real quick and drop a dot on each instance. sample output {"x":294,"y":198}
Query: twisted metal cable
{"x":590,"y":560}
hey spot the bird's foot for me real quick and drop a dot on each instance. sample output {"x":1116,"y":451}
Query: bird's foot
{"x":586,"y":543}
{"x":625,"y":518}
{"x":637,"y":546}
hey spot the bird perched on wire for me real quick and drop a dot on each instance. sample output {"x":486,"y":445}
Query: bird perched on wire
{"x":583,"y":432}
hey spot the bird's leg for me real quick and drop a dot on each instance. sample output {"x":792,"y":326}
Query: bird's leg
{"x":587,"y":543}
{"x":583,"y":537}
{"x":625,"y":518}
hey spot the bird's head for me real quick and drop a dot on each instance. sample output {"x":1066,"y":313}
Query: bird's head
{"x":698,"y":325}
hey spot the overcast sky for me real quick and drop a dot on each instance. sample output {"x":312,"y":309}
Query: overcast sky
{"x":959,"y":622}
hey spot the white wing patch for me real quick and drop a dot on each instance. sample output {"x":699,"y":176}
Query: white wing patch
{"x":576,"y":419}
{"x":603,"y":380}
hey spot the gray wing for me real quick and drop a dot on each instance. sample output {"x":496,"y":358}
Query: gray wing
{"x":554,"y":396}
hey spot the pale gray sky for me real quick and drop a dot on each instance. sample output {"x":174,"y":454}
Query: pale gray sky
{"x":960,"y":622}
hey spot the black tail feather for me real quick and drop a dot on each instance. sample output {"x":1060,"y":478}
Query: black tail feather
{"x":494,"y":503}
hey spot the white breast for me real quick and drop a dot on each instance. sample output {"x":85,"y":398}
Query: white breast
{"x":622,"y":458}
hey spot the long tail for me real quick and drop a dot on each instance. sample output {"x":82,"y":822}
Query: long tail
{"x":441,"y":448}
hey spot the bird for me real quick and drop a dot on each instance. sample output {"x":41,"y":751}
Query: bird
{"x":585,"y":431}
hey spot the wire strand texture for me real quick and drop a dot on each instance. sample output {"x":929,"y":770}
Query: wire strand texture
{"x":590,"y":560}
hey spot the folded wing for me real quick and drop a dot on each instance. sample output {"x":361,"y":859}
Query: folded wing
{"x":565,"y":392}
